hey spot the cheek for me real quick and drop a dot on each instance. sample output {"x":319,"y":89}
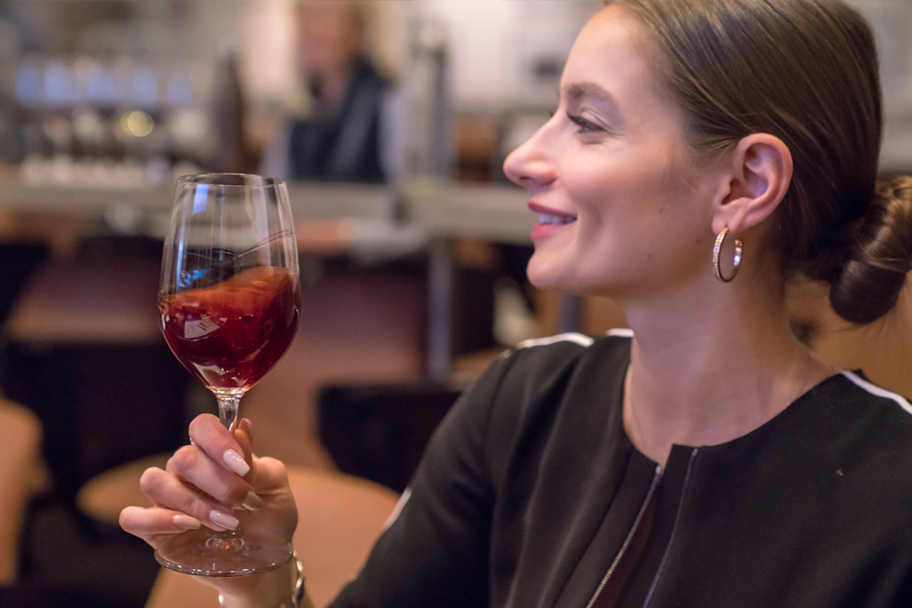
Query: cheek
{"x":640,"y":189}
{"x":592,"y":184}
{"x":608,"y":195}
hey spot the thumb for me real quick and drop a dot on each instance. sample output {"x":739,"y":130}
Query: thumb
{"x":266,"y":475}
{"x":242,"y":434}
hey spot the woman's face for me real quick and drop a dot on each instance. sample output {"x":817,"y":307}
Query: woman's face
{"x":622,"y":205}
{"x":330,"y":37}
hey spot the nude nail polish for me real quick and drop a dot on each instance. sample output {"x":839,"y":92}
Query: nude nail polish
{"x":252,"y":502}
{"x":236,"y":462}
{"x":186,"y":522}
{"x":223,"y":519}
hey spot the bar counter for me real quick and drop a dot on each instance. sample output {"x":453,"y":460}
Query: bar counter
{"x":495,"y":212}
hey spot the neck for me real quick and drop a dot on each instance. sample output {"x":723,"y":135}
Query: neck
{"x":712,"y":374}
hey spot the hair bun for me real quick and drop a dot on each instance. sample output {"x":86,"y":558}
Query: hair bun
{"x":880,"y":258}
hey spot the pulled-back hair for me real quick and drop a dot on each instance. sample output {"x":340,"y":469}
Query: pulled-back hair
{"x":805,"y":71}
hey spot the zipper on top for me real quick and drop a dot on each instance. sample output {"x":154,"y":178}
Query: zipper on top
{"x":674,"y":529}
{"x":636,"y":524}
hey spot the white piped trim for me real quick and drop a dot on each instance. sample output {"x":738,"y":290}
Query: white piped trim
{"x":876,"y":390}
{"x":565,"y":337}
{"x":398,"y":508}
{"x":620,"y":332}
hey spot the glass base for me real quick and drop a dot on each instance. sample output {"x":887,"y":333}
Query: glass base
{"x":203,"y":552}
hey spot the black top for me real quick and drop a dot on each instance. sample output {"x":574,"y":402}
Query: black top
{"x":530,"y":488}
{"x":345,"y":147}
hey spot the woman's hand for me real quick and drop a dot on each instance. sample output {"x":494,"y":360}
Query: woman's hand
{"x":204,"y":483}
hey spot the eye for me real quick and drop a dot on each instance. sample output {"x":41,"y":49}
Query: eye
{"x":585,"y":126}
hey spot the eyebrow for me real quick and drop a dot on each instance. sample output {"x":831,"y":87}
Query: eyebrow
{"x":596,"y":92}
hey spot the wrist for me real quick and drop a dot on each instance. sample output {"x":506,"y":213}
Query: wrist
{"x":280,"y":588}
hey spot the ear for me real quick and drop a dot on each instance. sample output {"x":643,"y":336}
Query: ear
{"x":760,"y":171}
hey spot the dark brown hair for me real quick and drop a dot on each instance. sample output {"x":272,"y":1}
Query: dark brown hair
{"x":805,"y":71}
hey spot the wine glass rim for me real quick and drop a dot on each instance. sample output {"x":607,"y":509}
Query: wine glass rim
{"x":230,"y":179}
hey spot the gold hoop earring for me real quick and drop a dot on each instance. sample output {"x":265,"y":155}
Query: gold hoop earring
{"x":717,"y":249}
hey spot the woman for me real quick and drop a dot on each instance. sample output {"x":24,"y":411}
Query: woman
{"x":343,"y":138}
{"x":712,"y":459}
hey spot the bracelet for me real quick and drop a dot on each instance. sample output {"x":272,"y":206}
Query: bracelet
{"x":297,"y":591}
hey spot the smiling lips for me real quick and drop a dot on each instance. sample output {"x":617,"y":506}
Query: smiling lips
{"x":555,"y":220}
{"x":549,"y":221}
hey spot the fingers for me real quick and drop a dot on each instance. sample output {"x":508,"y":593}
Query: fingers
{"x":203,"y":483}
{"x":196,"y":468}
{"x":147,"y":523}
{"x":207,"y":433}
{"x":205,"y":480}
{"x":168,"y":491}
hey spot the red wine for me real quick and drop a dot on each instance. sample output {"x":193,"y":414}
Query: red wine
{"x":230,"y":334}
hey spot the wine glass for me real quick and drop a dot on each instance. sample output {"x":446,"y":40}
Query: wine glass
{"x":229,"y":299}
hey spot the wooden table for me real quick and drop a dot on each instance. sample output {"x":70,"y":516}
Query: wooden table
{"x":95,"y":299}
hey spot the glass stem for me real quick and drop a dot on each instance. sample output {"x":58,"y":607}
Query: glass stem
{"x":228,"y":403}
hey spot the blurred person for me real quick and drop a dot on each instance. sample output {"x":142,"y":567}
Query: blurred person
{"x":346,"y":136}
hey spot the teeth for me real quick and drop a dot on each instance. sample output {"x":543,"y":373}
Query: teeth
{"x":556,"y":220}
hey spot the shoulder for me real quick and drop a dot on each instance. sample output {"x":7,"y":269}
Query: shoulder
{"x":853,"y":420}
{"x":538,"y":378}
{"x":571,"y":349}
{"x":851,"y":394}
{"x":870,"y":391}
{"x":864,"y":433}
{"x":882,"y":413}
{"x":550,"y":365}
{"x":540,"y":364}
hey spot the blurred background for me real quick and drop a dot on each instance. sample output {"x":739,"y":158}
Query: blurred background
{"x":389,"y":118}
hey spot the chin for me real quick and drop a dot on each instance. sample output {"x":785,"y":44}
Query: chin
{"x":540,"y":275}
{"x":568,"y":282}
{"x":552,"y":279}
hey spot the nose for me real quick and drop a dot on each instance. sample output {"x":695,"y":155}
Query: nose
{"x":531,"y":164}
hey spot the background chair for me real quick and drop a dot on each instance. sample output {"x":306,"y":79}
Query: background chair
{"x":21,"y":477}
{"x":379,"y":431}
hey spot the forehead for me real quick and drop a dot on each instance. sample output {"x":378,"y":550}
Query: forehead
{"x":337,"y":11}
{"x":607,"y":55}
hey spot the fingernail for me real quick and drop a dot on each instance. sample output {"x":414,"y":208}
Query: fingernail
{"x":252,"y":502}
{"x":223,"y":519}
{"x":186,"y":522}
{"x":248,"y":427}
{"x":236,"y":462}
